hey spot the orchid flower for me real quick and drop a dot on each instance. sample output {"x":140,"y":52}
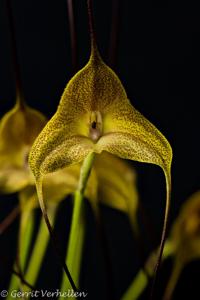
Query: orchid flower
{"x":18,"y":129}
{"x":95,"y":116}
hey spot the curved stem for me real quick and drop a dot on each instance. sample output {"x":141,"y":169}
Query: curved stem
{"x":18,"y":81}
{"x":164,"y":231}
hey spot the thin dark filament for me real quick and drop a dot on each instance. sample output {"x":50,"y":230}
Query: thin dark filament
{"x":93,"y":39}
{"x":163,"y":237}
{"x":18,"y":274}
{"x":73,"y":36}
{"x":114,"y":33}
{"x":18,"y":81}
{"x":9,"y":219}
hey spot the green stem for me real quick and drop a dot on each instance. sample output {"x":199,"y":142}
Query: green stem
{"x":79,"y":251}
{"x":77,"y":257}
{"x":140,"y":282}
{"x":85,"y":173}
{"x":22,"y":279}
{"x":25,"y":236}
{"x":39,"y":249}
{"x":75,"y":227}
{"x":137,"y":286}
{"x":77,"y":231}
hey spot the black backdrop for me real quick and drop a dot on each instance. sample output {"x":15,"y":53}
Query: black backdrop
{"x":158,"y":62}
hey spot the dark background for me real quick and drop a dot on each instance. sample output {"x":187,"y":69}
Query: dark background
{"x":158,"y":62}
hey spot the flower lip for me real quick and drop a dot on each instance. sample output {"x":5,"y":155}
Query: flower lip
{"x":95,"y":125}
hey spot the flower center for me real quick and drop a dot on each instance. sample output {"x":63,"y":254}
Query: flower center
{"x":95,"y":125}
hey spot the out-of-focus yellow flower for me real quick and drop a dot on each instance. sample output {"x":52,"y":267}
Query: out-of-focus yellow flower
{"x":186,"y":230}
{"x":184,"y":240}
{"x":18,"y":130}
